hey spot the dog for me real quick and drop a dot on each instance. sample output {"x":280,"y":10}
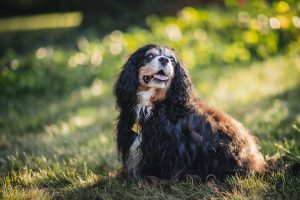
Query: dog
{"x":164,"y":131}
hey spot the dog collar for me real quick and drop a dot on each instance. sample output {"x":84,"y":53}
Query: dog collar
{"x":136,"y":128}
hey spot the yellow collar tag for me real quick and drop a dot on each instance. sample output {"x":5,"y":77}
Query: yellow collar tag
{"x":136,"y":128}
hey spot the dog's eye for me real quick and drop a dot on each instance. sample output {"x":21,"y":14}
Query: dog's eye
{"x":172,"y":59}
{"x":150,"y":56}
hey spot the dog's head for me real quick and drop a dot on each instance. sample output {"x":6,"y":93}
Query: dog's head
{"x":152,"y":67}
{"x":157,"y":68}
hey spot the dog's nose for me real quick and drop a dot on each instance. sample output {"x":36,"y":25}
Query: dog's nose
{"x":163,"y":60}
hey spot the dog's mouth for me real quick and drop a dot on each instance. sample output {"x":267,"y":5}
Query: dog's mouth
{"x":160,"y":76}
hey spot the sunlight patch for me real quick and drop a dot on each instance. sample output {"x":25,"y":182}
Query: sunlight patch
{"x":45,"y":21}
{"x":251,"y":84}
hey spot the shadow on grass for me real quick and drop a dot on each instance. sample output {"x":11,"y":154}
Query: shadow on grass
{"x":278,"y":184}
{"x":119,"y":188}
{"x":31,"y":113}
{"x":74,"y":129}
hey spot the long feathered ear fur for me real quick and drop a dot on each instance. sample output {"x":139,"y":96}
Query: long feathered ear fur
{"x":126,"y":86}
{"x":180,"y":90}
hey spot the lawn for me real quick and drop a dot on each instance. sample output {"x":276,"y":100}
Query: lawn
{"x":57,"y":111}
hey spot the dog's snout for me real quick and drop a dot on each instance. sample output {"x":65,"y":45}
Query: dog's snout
{"x":163,"y":60}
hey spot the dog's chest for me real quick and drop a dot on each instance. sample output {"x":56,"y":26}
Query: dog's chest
{"x":143,"y":110}
{"x":135,"y":154}
{"x":144,"y":107}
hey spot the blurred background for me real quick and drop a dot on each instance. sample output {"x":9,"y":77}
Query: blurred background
{"x":59,"y":61}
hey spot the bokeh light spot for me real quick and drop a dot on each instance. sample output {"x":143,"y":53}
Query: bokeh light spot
{"x":296,"y":21}
{"x":173,"y":32}
{"x":200,"y":34}
{"x":96,"y":58}
{"x":41,"y":53}
{"x":116,"y":35}
{"x":116,"y":48}
{"x":96,"y":88}
{"x":82,"y":43}
{"x":14,"y":64}
{"x":274,"y":23}
{"x":282,"y":7}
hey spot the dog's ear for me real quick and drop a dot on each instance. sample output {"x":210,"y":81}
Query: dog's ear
{"x":180,"y":89}
{"x":126,"y":85}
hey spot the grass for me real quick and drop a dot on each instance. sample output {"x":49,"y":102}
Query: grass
{"x":63,"y":146}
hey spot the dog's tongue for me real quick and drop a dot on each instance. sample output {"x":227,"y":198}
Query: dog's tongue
{"x":161,"y":77}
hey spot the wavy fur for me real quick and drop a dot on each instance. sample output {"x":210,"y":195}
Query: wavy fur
{"x":182,"y":136}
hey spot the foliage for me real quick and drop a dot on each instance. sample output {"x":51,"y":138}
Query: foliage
{"x":202,"y":37}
